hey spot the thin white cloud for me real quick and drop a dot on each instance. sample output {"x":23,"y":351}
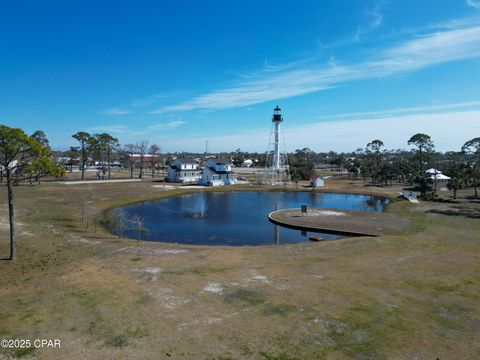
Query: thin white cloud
{"x":410,"y":55}
{"x":116,"y":111}
{"x":429,"y":50}
{"x":449,"y":131}
{"x":166,"y":126}
{"x":405,"y":110}
{"x":129,"y":131}
{"x":375,"y":19}
{"x":143,"y":102}
{"x":116,"y":129}
{"x":474,"y":4}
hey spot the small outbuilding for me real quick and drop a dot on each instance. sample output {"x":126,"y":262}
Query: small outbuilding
{"x":317,"y":181}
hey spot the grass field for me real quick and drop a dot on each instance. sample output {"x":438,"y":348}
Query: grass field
{"x":413,"y":295}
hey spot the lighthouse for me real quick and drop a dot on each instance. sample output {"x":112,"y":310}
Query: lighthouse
{"x":276,"y":170}
{"x":276,"y":120}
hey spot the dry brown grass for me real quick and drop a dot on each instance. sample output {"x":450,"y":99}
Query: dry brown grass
{"x":412,"y":295}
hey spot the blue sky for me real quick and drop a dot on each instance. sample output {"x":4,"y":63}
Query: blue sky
{"x":178,"y":73}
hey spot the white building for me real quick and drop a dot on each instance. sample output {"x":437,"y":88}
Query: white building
{"x":247,"y":163}
{"x":184,"y":170}
{"x":317,"y":181}
{"x":218,"y":172}
{"x":439,"y":180}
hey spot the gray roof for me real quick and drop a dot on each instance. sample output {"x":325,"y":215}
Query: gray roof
{"x":221,"y":160}
{"x":187,"y":160}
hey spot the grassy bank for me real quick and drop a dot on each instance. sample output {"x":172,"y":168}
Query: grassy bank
{"x":413,"y":294}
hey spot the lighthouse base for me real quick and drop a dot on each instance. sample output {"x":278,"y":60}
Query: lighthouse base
{"x":273,"y":176}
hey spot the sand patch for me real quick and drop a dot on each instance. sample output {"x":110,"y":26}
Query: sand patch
{"x":213,"y":287}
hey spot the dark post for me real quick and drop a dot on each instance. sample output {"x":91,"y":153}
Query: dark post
{"x":304,"y":210}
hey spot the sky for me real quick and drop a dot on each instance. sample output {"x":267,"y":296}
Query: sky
{"x":179,"y":73}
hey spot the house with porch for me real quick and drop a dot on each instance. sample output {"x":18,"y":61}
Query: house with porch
{"x":184,"y":170}
{"x":439,"y":180}
{"x":218,"y":172}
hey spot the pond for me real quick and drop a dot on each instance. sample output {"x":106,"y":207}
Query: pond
{"x":229,"y":218}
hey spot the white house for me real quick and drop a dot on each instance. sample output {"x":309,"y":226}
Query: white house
{"x":184,"y":170}
{"x":218,"y":172}
{"x":439,"y":180}
{"x":247,"y":163}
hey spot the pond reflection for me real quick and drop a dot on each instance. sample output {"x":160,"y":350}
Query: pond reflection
{"x":232,"y":218}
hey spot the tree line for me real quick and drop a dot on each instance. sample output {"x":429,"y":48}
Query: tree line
{"x":378,"y":166}
{"x":103,"y":146}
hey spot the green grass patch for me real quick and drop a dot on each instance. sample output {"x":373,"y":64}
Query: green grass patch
{"x":365,"y":329}
{"x":200,"y":271}
{"x":278,"y":309}
{"x":280,"y":356}
{"x":447,"y":288}
{"x":19,"y":353}
{"x":245,"y":297}
{"x":138,"y":332}
{"x":116,"y":340}
{"x":418,"y":223}
{"x":144,"y":299}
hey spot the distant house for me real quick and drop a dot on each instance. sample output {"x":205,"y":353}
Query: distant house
{"x":247,"y":163}
{"x":11,"y":166}
{"x":439,"y":180}
{"x":184,"y":170}
{"x":218,"y":172}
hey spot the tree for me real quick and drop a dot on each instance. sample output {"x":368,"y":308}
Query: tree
{"x":105,"y":144}
{"x":471,"y":149}
{"x":353,"y":168}
{"x":402,"y":165}
{"x":18,"y":151}
{"x":84,"y":139}
{"x":302,"y":164}
{"x":130,"y":150}
{"x":142,"y":147}
{"x":424,"y":144}
{"x":238,"y":157}
{"x":41,"y":164}
{"x":154,"y":150}
{"x":373,"y":152}
{"x":457,"y":180}
{"x":41,"y":138}
{"x":115,"y":221}
{"x":73,"y":153}
{"x":424,"y":182}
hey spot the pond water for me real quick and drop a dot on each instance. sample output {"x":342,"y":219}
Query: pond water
{"x":230,"y":218}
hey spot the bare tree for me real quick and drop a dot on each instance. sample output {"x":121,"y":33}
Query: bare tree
{"x":138,"y":225}
{"x":142,"y":147}
{"x":130,"y":150}
{"x":114,"y":221}
{"x":154,"y":150}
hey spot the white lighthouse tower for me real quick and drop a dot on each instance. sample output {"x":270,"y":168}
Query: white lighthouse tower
{"x":276,"y":171}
